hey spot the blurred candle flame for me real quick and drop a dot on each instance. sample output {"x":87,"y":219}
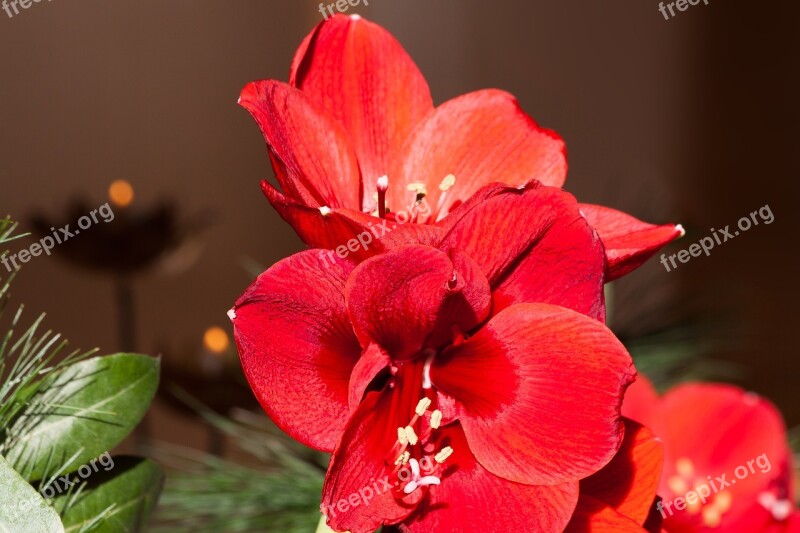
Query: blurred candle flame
{"x":120,"y":192}
{"x":216,"y":340}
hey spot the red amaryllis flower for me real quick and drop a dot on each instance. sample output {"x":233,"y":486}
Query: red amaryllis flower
{"x":620,"y":497}
{"x":355,"y":134}
{"x":727,"y":465}
{"x":446,"y":379}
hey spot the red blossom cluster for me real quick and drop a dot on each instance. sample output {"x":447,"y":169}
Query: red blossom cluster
{"x":458,"y":369}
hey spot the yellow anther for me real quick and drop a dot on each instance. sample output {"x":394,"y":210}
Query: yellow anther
{"x":442,"y":456}
{"x":684,"y":467}
{"x":411,"y":436}
{"x":403,"y":458}
{"x":402,"y":437}
{"x":417,"y":187}
{"x":422,"y":406}
{"x":436,"y":419}
{"x":447,"y":182}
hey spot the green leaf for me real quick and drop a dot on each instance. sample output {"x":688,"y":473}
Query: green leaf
{"x":118,"y":500}
{"x":22,"y":509}
{"x":81,"y":412}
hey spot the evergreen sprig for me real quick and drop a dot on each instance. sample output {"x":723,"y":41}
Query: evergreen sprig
{"x":279,"y":491}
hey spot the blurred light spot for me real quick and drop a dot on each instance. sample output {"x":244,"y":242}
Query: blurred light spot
{"x":216,"y":340}
{"x":120,"y":193}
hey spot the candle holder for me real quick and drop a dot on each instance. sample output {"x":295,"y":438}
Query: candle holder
{"x":127,"y":243}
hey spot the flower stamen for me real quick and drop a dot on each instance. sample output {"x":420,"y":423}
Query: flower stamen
{"x":401,"y":436}
{"x":411,"y":436}
{"x":426,"y":373}
{"x":436,"y":419}
{"x":403,"y":458}
{"x":443,"y":454}
{"x":422,"y":406}
{"x":383,"y":186}
{"x":417,"y":481}
{"x":447,"y":182}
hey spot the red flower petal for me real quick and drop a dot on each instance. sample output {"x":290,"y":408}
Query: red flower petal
{"x":727,"y":428}
{"x":468,"y":300}
{"x":348,"y":233}
{"x":358,"y":495}
{"x":399,"y":299}
{"x":297,"y":346}
{"x":471,"y":499}
{"x":479,"y":138}
{"x":643,"y":405}
{"x":597,"y":517}
{"x":754,"y":518}
{"x":628,"y":483}
{"x":629,"y":242}
{"x":528,"y":363}
{"x":357,"y":73}
{"x":372,"y":362}
{"x":534,"y":247}
{"x":314,"y":161}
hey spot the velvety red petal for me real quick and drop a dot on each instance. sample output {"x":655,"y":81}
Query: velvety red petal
{"x":539,"y":390}
{"x":297,"y":347}
{"x":315,"y":163}
{"x":358,"y":74}
{"x":471,"y":499}
{"x":347,"y":233}
{"x":479,"y":138}
{"x":534,"y":247}
{"x":468,"y":300}
{"x":358,"y":495}
{"x":643,"y":405}
{"x":628,"y":483}
{"x":404,"y":297}
{"x":629,"y":242}
{"x":371,"y":363}
{"x":594,"y":516}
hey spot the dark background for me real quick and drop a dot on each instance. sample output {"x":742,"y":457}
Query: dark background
{"x":691,"y":120}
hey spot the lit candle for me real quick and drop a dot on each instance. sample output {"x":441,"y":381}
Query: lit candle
{"x":120,"y":193}
{"x":215,"y":343}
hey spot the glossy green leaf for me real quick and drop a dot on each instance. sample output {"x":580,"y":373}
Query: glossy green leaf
{"x":22,"y":509}
{"x":116,"y":500}
{"x":80,"y":413}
